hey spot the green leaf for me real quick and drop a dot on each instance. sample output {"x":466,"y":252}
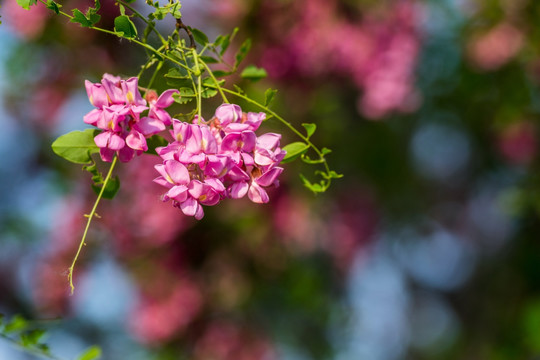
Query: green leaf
{"x":185,"y":95}
{"x":325,"y":151}
{"x":17,"y":323}
{"x":124,"y":25}
{"x":31,"y":338}
{"x":78,"y":17}
{"x":227,"y":41}
{"x":253,"y":73}
{"x":269,"y":96}
{"x":199,"y":36}
{"x":220,"y":73}
{"x":54,"y":6}
{"x":310,"y":129}
{"x":26,"y":3}
{"x":242,"y":52}
{"x":92,"y":353}
{"x":113,"y":185}
{"x":294,"y":150}
{"x":178,"y":78}
{"x":316,"y":188}
{"x":209,"y":59}
{"x":76,"y":146}
{"x":154,"y":142}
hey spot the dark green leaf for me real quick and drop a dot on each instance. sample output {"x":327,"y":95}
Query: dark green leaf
{"x":110,"y":190}
{"x":209,"y":59}
{"x":220,"y":73}
{"x":53,"y":6}
{"x":310,"y":129}
{"x":124,"y":25}
{"x":199,"y":36}
{"x":294,"y":150}
{"x":227,"y":41}
{"x":269,"y":96}
{"x":31,"y":338}
{"x":178,"y":78}
{"x":185,"y":96}
{"x":78,"y":17}
{"x":76,"y":146}
{"x":26,"y":3}
{"x":154,"y":142}
{"x":91,"y":353}
{"x":254,"y":73}
{"x":242,"y":52}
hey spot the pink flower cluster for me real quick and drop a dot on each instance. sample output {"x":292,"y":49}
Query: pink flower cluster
{"x":119,"y":106}
{"x":222,"y":158}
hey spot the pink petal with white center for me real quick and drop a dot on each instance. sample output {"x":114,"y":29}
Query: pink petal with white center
{"x":136,"y":141}
{"x":216,"y":184}
{"x":193,"y":142}
{"x":238,"y":189}
{"x":208,"y":141}
{"x":196,"y":188}
{"x":96,"y":94}
{"x":130,"y":88}
{"x":264,"y":157}
{"x":163,"y":182}
{"x":181,"y":131}
{"x":228,"y":113}
{"x":161,"y":115}
{"x":102,"y":139}
{"x":248,"y":139}
{"x":150,"y":126}
{"x":116,"y":142}
{"x":190,"y":206}
{"x":237,"y":174}
{"x":236,"y":128}
{"x":255,"y":119}
{"x":114,"y":92}
{"x":166,"y":98}
{"x":200,"y":213}
{"x":269,"y":177}
{"x":268,"y":141}
{"x":93,"y":116}
{"x":257,"y":194}
{"x":176,"y":172}
{"x":247,"y":159}
{"x":230,"y":142}
{"x":178,"y":193}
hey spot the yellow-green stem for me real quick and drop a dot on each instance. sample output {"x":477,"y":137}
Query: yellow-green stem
{"x":90,"y":217}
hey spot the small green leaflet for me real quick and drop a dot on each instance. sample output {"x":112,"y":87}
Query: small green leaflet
{"x":294,"y":150}
{"x":154,"y":142}
{"x":76,"y":146}
{"x":269,"y":96}
{"x":54,"y":6}
{"x":310,"y":129}
{"x":92,"y":353}
{"x":242,"y":52}
{"x":26,"y":3}
{"x":124,"y":25}
{"x":178,"y":78}
{"x":17,"y":323}
{"x":253,"y":73}
{"x":199,"y":36}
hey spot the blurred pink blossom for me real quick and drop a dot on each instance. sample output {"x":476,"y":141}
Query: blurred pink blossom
{"x":28,"y":24}
{"x":518,"y":143}
{"x":494,"y":48}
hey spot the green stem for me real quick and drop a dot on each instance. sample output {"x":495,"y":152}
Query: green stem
{"x":90,"y":217}
{"x":216,"y":82}
{"x":149,"y":86}
{"x":36,"y":352}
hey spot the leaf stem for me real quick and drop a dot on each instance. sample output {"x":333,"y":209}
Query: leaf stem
{"x":90,"y":217}
{"x":149,"y":23}
{"x":33,"y":351}
{"x":216,"y":82}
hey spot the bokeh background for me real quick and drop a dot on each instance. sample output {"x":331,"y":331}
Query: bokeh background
{"x":428,"y":248}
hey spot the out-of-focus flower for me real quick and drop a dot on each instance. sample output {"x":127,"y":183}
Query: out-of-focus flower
{"x":490,"y":50}
{"x":518,"y":143}
{"x":28,"y":24}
